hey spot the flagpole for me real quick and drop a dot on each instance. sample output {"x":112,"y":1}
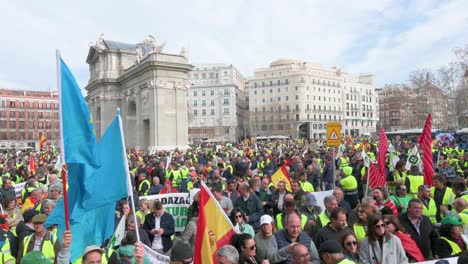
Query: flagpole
{"x":127,"y":172}
{"x":367,"y":187}
{"x":62,"y":149}
{"x":216,"y":202}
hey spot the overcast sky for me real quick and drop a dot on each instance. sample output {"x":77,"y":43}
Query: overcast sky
{"x":385,"y":38}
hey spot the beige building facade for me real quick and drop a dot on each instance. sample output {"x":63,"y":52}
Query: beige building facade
{"x":298,"y":98}
{"x":217,"y":103}
{"x":150,"y":88}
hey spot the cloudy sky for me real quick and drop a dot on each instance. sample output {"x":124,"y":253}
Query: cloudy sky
{"x":386,"y":38}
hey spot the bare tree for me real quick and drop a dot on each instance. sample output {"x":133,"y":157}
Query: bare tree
{"x":418,"y":78}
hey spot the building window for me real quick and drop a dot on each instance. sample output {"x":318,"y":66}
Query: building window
{"x":287,"y":98}
{"x":48,"y":125}
{"x":203,"y":75}
{"x":194,"y":93}
{"x":279,"y":99}
{"x":48,"y":105}
{"x":297,"y":107}
{"x":225,"y":101}
{"x":263,"y":84}
{"x":255,"y":85}
{"x":203,"y":93}
{"x":297,"y":117}
{"x":225,"y":73}
{"x":212,"y":102}
{"x":212,"y":92}
{"x":279,"y":90}
{"x":279,"y":82}
{"x":263,"y":91}
{"x":297,"y":97}
{"x":195,"y":112}
{"x":271,"y":91}
{"x":287,"y":81}
{"x":212,"y":112}
{"x":203,"y":102}
{"x":271,"y":83}
{"x":226,"y":130}
{"x":226,"y":110}
{"x":3,"y":103}
{"x":255,"y":92}
{"x":203,"y":112}
{"x":226,"y":92}
{"x":195,"y":103}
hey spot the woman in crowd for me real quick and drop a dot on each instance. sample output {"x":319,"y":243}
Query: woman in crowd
{"x":349,"y":243}
{"x":245,"y":245}
{"x":452,"y":242}
{"x":190,"y":231}
{"x":360,"y":227}
{"x":381,"y":247}
{"x":393,"y":226}
{"x":143,"y":204}
{"x":13,"y":212}
{"x":238,"y":220}
{"x":127,"y":249}
{"x":382,"y":201}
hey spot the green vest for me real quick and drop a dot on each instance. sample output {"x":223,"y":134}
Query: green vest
{"x":464,"y":217}
{"x":47,"y":246}
{"x":344,"y":162}
{"x":456,"y":250}
{"x":142,"y":217}
{"x":184,"y":173}
{"x":279,"y":221}
{"x":140,"y":187}
{"x":324,"y":219}
{"x":415,"y":182}
{"x":359,"y":231}
{"x":306,"y":186}
{"x":349,"y":184}
{"x":177,"y":178}
{"x":430,"y":211}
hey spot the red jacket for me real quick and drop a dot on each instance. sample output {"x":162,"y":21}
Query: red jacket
{"x":173,"y":190}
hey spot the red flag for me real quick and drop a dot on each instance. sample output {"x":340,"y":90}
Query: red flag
{"x":32,"y":165}
{"x":376,"y":179}
{"x":383,"y":148}
{"x":214,"y":229}
{"x":425,"y":144}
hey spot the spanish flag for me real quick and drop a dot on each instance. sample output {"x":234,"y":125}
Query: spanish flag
{"x":214,"y":229}
{"x":42,"y":141}
{"x":32,"y":165}
{"x":281,"y":174}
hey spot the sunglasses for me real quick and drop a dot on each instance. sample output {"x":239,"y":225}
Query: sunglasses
{"x":380,"y":226}
{"x":402,"y":189}
{"x":238,"y":216}
{"x":351,"y":243}
{"x":252,"y":247}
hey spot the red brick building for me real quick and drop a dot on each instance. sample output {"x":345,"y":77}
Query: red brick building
{"x":26,"y":115}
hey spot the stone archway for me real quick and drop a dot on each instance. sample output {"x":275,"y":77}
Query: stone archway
{"x":131,"y":124}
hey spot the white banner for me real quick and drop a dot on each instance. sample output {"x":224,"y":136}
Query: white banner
{"x":19,"y":188}
{"x":155,"y":257}
{"x":176,"y":204}
{"x":320,"y":196}
{"x":450,"y":261}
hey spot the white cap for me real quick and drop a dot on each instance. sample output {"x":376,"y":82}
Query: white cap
{"x":266,"y":219}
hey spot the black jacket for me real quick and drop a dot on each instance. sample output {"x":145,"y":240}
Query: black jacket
{"x":167,"y":223}
{"x":427,"y":239}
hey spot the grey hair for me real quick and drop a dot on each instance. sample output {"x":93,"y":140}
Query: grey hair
{"x":52,"y":202}
{"x":230,"y":252}
{"x":367,"y":200}
{"x":328,"y":199}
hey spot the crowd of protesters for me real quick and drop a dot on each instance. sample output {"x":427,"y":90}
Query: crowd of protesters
{"x":403,"y":222}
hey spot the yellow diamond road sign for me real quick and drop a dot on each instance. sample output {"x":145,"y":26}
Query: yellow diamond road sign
{"x":333,"y":134}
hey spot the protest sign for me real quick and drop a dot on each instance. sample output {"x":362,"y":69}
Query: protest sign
{"x":176,"y":204}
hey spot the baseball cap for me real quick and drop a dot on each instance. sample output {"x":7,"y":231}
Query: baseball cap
{"x":91,"y":249}
{"x":451,"y":220}
{"x":39,"y":219}
{"x":311,"y":200}
{"x":192,"y":168}
{"x":265,"y":219}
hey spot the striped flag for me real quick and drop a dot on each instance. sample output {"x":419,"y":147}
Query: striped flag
{"x":383,"y":148}
{"x":281,"y":174}
{"x":214,"y":229}
{"x":425,"y":143}
{"x":376,"y":179}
